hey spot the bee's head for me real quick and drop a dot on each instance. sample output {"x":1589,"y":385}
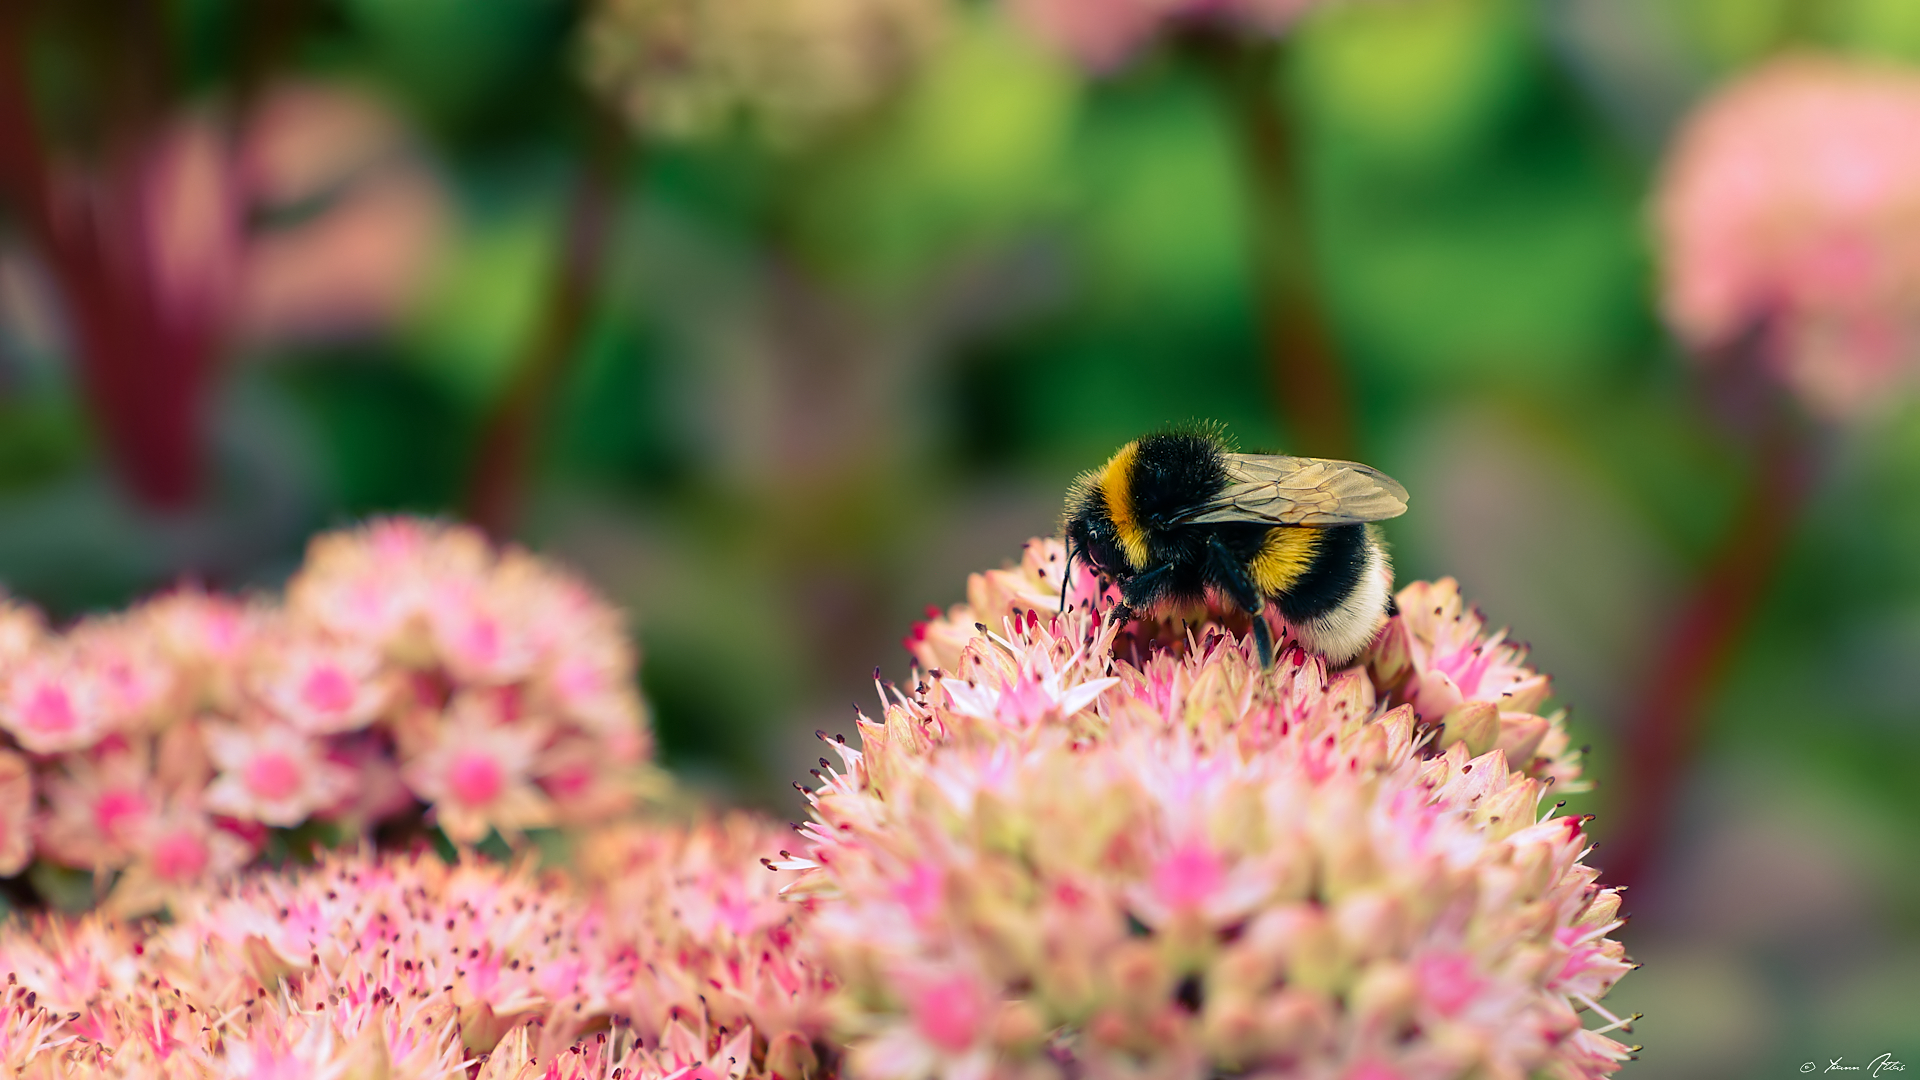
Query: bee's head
{"x":1090,"y":531}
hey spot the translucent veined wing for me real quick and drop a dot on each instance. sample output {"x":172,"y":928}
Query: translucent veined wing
{"x":1282,"y":490}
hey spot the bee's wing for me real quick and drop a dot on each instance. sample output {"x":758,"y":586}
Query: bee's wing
{"x":1282,"y":490}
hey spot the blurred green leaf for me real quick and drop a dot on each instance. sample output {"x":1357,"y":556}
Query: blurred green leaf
{"x":1889,"y":28}
{"x":1733,"y":33}
{"x":395,"y":440}
{"x":40,"y":438}
{"x":1415,"y":82}
{"x":976,"y":145}
{"x":1162,"y":203}
{"x":463,"y":61}
{"x":486,"y":300}
{"x":62,"y":887}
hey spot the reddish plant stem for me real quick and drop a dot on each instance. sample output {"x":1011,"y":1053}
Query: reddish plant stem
{"x":142,"y":366}
{"x":1308,"y":385}
{"x":513,"y":431}
{"x":1665,"y":730}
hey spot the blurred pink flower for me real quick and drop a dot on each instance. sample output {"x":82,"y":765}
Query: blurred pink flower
{"x":411,"y":656}
{"x":272,"y":774}
{"x":321,"y":687}
{"x":192,"y":212}
{"x":365,"y":259}
{"x":372,"y":584}
{"x":105,"y":675}
{"x":98,"y":809}
{"x":1789,"y":210}
{"x":355,"y":259}
{"x":481,"y":631}
{"x":584,"y":783}
{"x":54,"y":701}
{"x":180,"y":848}
{"x":477,"y":775}
{"x":206,"y":637}
{"x":188,"y":231}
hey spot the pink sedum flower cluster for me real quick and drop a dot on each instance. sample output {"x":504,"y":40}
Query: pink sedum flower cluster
{"x":1045,"y":861}
{"x":411,"y":663}
{"x":408,"y":968}
{"x":1789,"y":214}
{"x":703,"y":898}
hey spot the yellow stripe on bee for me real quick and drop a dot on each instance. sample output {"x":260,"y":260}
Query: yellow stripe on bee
{"x":1116,"y":482}
{"x":1286,"y":554}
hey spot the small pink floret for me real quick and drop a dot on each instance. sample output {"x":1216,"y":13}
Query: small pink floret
{"x":735,"y":912}
{"x":270,"y":1065}
{"x":921,"y":892}
{"x":1189,"y":877}
{"x":480,"y":641}
{"x":272,"y":775}
{"x":180,"y":856}
{"x":1026,"y":701}
{"x":949,"y":1013}
{"x":327,"y":690}
{"x":114,"y":809}
{"x":50,"y":710}
{"x":578,"y":680}
{"x":1447,"y":982}
{"x":570,"y":781}
{"x":475,"y":778}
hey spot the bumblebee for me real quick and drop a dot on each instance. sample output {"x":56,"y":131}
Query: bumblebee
{"x":1176,"y":515}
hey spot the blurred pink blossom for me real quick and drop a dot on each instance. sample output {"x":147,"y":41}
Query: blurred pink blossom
{"x":320,"y":687}
{"x":189,"y":230}
{"x":476,"y":775}
{"x":412,"y":661}
{"x":272,"y":774}
{"x":1789,"y":212}
{"x":356,"y":258}
{"x":99,"y":807}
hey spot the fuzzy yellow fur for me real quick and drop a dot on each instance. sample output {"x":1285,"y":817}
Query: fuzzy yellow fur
{"x":1116,"y":483}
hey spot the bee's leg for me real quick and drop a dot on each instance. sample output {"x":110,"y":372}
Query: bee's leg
{"x":1139,"y":591}
{"x":1233,"y":580}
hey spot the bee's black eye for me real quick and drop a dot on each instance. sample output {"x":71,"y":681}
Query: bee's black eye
{"x":1101,"y":548}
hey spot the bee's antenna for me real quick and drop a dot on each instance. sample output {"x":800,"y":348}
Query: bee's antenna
{"x":1066,"y":578}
